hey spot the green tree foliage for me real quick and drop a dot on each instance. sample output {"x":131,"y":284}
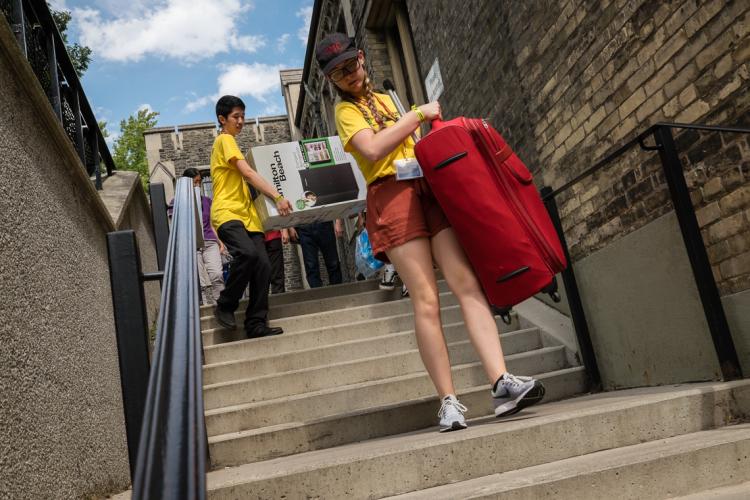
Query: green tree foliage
{"x":103,"y":127}
{"x":80,"y":55}
{"x":130,"y":147}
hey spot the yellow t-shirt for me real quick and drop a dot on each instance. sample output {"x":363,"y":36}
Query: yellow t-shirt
{"x":232,"y":199}
{"x":350,"y":120}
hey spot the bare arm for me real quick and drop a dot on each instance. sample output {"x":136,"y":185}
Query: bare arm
{"x":255,"y":179}
{"x":283,"y":205}
{"x":377,"y":145}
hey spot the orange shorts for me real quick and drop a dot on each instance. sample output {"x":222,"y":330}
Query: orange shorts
{"x":400,"y":211}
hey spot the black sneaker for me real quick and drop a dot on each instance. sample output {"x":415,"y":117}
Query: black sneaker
{"x":225,"y":318}
{"x":265,"y":331}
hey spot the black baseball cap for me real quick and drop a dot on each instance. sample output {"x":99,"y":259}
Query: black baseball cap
{"x":333,"y":49}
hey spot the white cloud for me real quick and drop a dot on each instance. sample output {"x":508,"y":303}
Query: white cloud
{"x":199,"y":103}
{"x":255,"y":80}
{"x":145,"y":106}
{"x":180,"y":29}
{"x":58,"y":5}
{"x":306,"y":14}
{"x":281,"y":42}
{"x":272,"y":109}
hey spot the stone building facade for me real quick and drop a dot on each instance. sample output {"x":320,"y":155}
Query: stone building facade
{"x":567,"y":81}
{"x":572,"y":80}
{"x":171,"y":150}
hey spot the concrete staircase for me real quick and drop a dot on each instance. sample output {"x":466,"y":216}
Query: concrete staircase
{"x":340,"y":406}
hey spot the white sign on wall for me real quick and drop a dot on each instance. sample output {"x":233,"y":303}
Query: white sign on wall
{"x":434,"y":82}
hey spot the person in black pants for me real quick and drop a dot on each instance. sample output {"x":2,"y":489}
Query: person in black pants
{"x":250,"y":265}
{"x":320,"y":236}
{"x":275,"y":241}
{"x":239,"y":225}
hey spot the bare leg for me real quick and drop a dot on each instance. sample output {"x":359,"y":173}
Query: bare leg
{"x":480,"y":323}
{"x":413,"y":261}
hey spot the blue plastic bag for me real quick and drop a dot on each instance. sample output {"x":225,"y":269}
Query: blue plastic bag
{"x":367,"y":264}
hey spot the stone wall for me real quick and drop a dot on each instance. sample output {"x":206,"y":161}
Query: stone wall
{"x":62,"y":432}
{"x":187,"y":146}
{"x":567,"y":81}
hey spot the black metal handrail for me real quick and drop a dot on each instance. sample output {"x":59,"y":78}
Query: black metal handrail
{"x":162,"y":399}
{"x":42,"y":45}
{"x":639,"y":139}
{"x":699,"y":262}
{"x":171,"y":460}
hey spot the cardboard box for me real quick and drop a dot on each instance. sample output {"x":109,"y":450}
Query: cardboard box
{"x":322,"y":181}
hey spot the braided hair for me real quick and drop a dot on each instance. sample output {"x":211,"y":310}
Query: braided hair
{"x":371,"y":111}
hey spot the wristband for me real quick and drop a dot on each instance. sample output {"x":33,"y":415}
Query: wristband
{"x":419,"y":113}
{"x":278,"y":198}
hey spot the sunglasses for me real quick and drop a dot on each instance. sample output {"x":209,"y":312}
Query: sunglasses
{"x":348,"y":68}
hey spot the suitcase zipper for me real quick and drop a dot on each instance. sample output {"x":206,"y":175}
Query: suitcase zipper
{"x":531,"y":229}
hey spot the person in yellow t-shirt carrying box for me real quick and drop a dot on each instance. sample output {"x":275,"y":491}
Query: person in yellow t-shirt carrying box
{"x":239,"y":226}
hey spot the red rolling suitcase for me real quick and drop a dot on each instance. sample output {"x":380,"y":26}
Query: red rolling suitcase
{"x":489,"y":197}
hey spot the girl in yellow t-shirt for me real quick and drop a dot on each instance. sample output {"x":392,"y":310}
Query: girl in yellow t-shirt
{"x":408,"y":228}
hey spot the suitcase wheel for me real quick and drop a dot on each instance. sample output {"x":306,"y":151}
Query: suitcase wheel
{"x":551,"y":290}
{"x":503,"y":312}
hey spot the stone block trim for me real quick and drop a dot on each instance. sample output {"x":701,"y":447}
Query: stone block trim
{"x":190,"y":145}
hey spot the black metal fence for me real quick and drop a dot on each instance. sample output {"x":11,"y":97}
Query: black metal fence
{"x":164,"y":409}
{"x":708,"y":291}
{"x":40,"y":41}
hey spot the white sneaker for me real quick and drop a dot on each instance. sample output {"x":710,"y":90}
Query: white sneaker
{"x":388,"y":280}
{"x":451,"y":414}
{"x":512,"y":394}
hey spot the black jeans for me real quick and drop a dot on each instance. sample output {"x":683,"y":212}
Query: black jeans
{"x":250,"y":265}
{"x":314,"y":237}
{"x":275,"y":251}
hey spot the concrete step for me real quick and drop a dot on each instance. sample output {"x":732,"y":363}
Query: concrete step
{"x":348,"y":351}
{"x":540,"y":435}
{"x":653,"y":470}
{"x":336,"y":302}
{"x":340,"y":374}
{"x":323,"y":293}
{"x":221,"y":345}
{"x":312,"y":294}
{"x":735,"y":492}
{"x":333,"y":303}
{"x":333,"y":317}
{"x":334,"y":400}
{"x":406,"y":416}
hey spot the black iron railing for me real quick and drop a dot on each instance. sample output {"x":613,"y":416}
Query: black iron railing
{"x":164,"y":417}
{"x":40,"y":41}
{"x":708,"y":291}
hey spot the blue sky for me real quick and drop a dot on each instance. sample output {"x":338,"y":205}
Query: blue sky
{"x":178,"y":56}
